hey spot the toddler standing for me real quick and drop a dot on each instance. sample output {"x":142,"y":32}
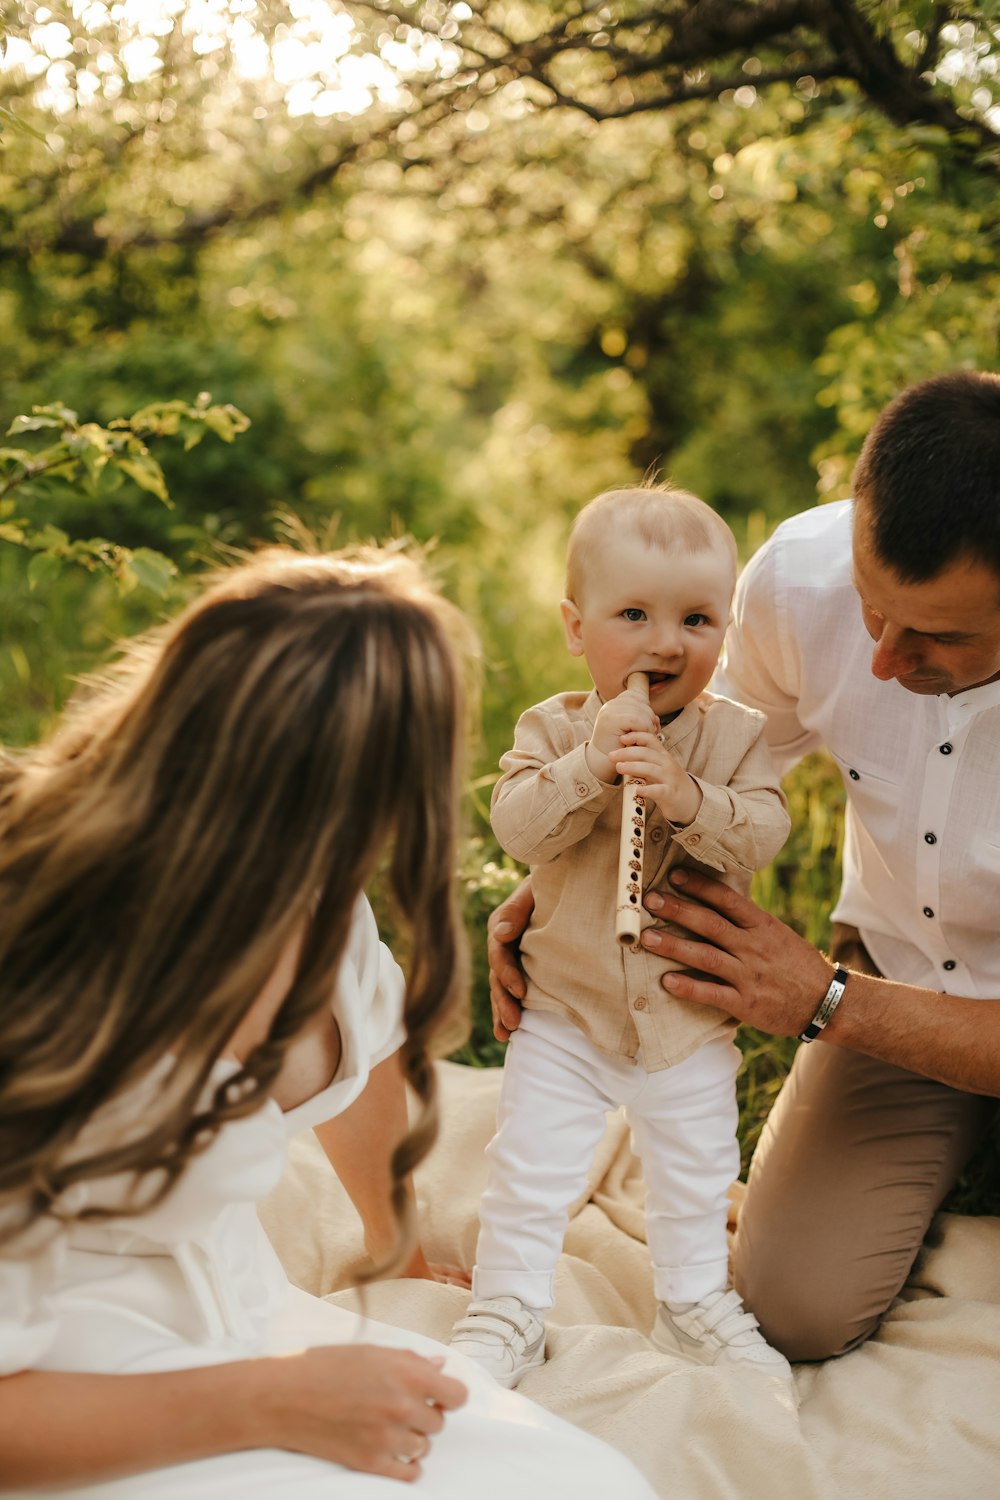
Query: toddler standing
{"x":650,"y":577}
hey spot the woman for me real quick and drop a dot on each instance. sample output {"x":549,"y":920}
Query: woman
{"x":190,"y":972}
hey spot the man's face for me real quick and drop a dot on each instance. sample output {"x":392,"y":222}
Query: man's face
{"x":940,"y":636}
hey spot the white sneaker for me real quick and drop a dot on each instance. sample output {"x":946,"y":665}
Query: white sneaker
{"x":502,"y":1336}
{"x":718,"y":1330}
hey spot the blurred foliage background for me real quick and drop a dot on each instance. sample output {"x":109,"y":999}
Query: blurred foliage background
{"x":462,"y":264}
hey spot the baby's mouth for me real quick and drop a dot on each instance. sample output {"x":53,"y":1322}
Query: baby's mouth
{"x":657,"y":679}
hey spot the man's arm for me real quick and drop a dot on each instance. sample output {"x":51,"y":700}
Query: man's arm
{"x":757,"y":668}
{"x":773,"y":979}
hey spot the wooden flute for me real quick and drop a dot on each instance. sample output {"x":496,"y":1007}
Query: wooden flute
{"x":628,"y":902}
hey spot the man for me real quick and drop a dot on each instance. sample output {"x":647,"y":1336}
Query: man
{"x":865,"y":1139}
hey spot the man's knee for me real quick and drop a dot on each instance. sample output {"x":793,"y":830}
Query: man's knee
{"x":808,"y":1311}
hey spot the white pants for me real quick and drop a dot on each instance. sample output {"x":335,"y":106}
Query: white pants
{"x":556,"y":1091}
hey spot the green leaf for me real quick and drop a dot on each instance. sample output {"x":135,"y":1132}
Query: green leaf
{"x":32,"y":424}
{"x":161,"y":417}
{"x":930,"y":135}
{"x":44,"y":568}
{"x":22,"y":126}
{"x":225,"y":421}
{"x":94,"y":462}
{"x":193,"y":432}
{"x":90,"y":435}
{"x":147,"y":474}
{"x":110,"y":479}
{"x":49,"y":538}
{"x":152,"y":570}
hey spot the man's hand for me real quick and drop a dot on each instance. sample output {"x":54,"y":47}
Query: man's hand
{"x":507,"y":989}
{"x":766,"y":974}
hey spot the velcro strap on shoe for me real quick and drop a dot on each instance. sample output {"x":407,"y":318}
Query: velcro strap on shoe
{"x":489,"y":1320}
{"x":728,"y":1311}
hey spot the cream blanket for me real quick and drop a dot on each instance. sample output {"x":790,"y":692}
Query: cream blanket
{"x":912,"y":1415}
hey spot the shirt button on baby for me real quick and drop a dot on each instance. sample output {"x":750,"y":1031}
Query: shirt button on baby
{"x":582,"y":789}
{"x":854,"y":775}
{"x":639,"y":1002}
{"x":948,"y":964}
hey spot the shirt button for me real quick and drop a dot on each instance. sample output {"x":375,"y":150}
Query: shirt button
{"x":928,"y":911}
{"x":582,"y":789}
{"x":948,"y":964}
{"x":656,"y":834}
{"x":695,"y":838}
{"x":930,"y":838}
{"x":640,"y":1002}
{"x":946,"y":748}
{"x":854,"y":775}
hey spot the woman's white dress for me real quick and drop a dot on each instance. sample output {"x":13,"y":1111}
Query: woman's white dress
{"x":195,"y":1282}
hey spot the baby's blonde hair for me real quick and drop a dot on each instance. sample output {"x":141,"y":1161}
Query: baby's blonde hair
{"x":661,"y":515}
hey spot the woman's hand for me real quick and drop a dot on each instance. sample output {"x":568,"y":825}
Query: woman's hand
{"x":504,"y":930}
{"x":766,"y":974}
{"x":419,"y":1268}
{"x":368,"y":1408}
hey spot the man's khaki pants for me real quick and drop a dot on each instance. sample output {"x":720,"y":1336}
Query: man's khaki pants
{"x":855,"y":1158}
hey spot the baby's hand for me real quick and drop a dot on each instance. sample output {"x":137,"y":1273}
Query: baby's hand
{"x":667,"y":784}
{"x":628,"y":713}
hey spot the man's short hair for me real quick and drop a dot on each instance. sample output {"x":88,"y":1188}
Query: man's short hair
{"x":929,"y":476}
{"x":661,"y":515}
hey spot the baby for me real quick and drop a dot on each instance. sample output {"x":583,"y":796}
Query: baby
{"x":650,"y":577}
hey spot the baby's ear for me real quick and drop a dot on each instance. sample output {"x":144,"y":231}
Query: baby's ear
{"x":573,"y":626}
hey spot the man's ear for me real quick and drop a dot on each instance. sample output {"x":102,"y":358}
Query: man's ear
{"x":573,"y":626}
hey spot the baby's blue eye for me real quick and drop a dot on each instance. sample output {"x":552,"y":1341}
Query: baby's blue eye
{"x":694,"y":620}
{"x":635,"y":615}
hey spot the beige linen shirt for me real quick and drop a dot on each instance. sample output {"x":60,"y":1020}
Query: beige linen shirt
{"x":551,"y":812}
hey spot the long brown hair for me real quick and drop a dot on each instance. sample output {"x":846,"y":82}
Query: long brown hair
{"x":235,"y":777}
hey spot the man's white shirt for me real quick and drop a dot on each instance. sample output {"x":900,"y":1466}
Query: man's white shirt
{"x":922,"y":773}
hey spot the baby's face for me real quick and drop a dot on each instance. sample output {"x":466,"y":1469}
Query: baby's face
{"x":643,"y":609}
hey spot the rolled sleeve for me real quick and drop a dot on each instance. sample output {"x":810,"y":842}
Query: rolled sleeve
{"x":547,"y":799}
{"x":743,"y":818}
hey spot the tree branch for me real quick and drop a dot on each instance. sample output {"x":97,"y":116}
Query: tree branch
{"x":672,"y":53}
